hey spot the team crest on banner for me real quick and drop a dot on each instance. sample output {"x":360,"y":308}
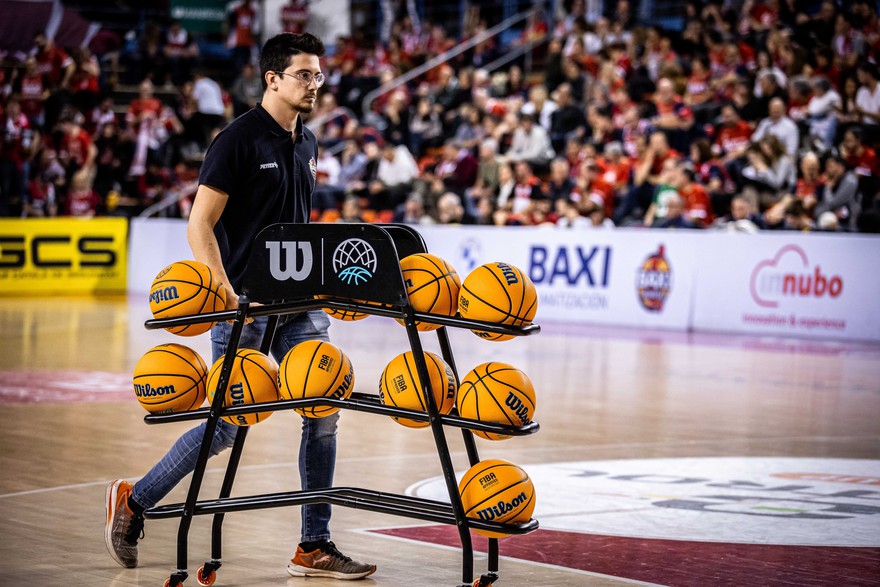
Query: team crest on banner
{"x":654,"y":281}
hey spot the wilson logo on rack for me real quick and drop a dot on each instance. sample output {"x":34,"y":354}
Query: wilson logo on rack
{"x":290,"y":260}
{"x":354,"y":261}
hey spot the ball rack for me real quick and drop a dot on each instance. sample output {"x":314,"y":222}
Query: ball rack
{"x":274,"y":287}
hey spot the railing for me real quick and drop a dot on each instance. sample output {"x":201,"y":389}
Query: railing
{"x":443,"y":58}
{"x":173,"y":197}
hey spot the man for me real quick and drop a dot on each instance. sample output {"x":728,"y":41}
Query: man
{"x":256,"y":173}
{"x":530,"y":143}
{"x":840,"y":194}
{"x":781,"y":126}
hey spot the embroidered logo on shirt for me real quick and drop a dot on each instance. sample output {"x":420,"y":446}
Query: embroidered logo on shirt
{"x":272,"y":165}
{"x":313,"y":166}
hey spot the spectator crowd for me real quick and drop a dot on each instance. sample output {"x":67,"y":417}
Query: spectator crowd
{"x":756,"y":115}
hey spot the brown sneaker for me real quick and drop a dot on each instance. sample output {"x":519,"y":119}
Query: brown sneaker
{"x":327,"y":561}
{"x":124,"y":527}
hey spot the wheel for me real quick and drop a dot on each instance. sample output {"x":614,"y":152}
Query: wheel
{"x":206,"y":579}
{"x":168,"y":583}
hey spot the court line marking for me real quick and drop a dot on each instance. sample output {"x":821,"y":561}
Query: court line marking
{"x":281,"y":465}
{"x":555,"y":449}
{"x":483,"y":556}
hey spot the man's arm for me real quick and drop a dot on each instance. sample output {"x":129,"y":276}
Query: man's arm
{"x":208,"y":206}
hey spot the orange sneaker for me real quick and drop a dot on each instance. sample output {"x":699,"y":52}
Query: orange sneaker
{"x":327,"y":561}
{"x":124,"y":527}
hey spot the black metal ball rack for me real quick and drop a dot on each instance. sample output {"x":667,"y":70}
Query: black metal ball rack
{"x":290,"y":265}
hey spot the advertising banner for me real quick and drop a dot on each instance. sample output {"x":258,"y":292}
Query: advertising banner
{"x":808,"y":286}
{"x":813,"y":286}
{"x":62,"y":255}
{"x":635,"y":278}
{"x":155,"y":243}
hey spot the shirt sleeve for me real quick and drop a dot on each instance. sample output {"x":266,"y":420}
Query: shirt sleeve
{"x":223,"y":163}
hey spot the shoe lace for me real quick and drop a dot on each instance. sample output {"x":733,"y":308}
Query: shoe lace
{"x":135,"y":529}
{"x":330,"y":548}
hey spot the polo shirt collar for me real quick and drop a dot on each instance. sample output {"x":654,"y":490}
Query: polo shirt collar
{"x":276,"y":129}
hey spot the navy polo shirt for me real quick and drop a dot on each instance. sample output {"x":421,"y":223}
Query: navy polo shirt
{"x":268,"y":174}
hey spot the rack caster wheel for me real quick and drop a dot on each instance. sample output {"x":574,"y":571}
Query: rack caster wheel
{"x":168,"y":584}
{"x":175,"y":580}
{"x":206,"y":577}
{"x":485,"y":580}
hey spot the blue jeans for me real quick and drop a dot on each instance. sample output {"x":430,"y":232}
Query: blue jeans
{"x":317,"y":451}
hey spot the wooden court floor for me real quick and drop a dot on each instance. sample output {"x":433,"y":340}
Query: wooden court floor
{"x":652,"y":459}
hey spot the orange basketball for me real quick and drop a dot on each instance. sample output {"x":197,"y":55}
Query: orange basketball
{"x":432,"y":286}
{"x":499,"y":293}
{"x":346,"y":315}
{"x":186,"y":288}
{"x":315,"y":368}
{"x":253,"y":380}
{"x":401,"y":387}
{"x":498,"y":393}
{"x":170,"y":378}
{"x":497,"y":491}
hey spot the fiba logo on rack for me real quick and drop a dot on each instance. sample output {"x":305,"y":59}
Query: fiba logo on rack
{"x":789,"y":275}
{"x":297,"y":260}
{"x":654,"y":281}
{"x":354,"y":261}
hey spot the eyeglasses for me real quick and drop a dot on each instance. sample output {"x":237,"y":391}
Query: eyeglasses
{"x":305,"y":78}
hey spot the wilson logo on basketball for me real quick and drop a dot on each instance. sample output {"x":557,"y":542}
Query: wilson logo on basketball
{"x":150,"y":391}
{"x":503,"y":507}
{"x":163,"y":295}
{"x":342,"y":390}
{"x":508,"y":273}
{"x":236,"y":393}
{"x":789,"y":275}
{"x":513,"y":402}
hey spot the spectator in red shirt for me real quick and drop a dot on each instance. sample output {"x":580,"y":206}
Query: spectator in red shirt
{"x":674,"y":117}
{"x":16,"y":145}
{"x":244,"y":26}
{"x":294,"y":16}
{"x":82,"y":201}
{"x":34,"y":92}
{"x":76,"y":150}
{"x":645,"y":177}
{"x":696,"y":201}
{"x":53,"y":63}
{"x":84,"y":81}
{"x":181,"y":51}
{"x":864,"y":163}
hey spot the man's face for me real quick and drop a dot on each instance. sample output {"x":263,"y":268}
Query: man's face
{"x":739,"y":209}
{"x":301,"y":98}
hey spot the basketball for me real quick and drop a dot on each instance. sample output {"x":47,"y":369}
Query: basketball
{"x":170,"y":378}
{"x":315,"y":369}
{"x":345,"y":315}
{"x":499,"y":293}
{"x":496,"y":393}
{"x":432,"y":286}
{"x":253,"y":380}
{"x":401,"y":387}
{"x":186,"y":288}
{"x":497,"y":491}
